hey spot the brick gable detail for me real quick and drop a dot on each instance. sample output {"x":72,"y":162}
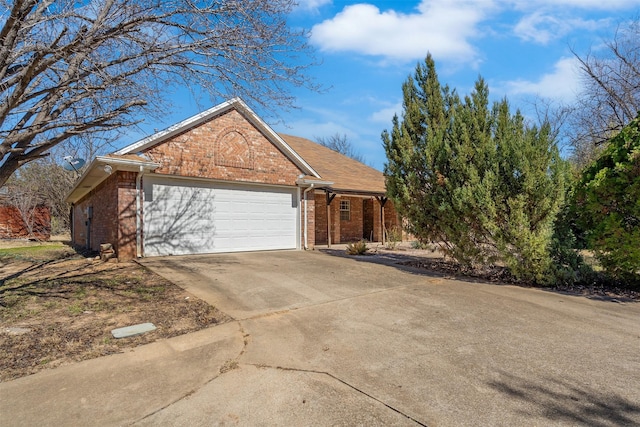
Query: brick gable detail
{"x":227,"y":147}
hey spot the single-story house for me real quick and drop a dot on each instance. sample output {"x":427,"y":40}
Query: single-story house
{"x":224,"y":181}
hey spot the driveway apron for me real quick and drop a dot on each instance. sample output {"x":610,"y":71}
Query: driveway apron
{"x":435,"y":350}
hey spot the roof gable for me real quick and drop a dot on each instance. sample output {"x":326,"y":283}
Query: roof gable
{"x":198,"y":119}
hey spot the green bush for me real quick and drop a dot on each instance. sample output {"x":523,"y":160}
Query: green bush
{"x":607,"y":204}
{"x":418,"y":244}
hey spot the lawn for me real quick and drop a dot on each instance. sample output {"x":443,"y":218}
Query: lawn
{"x":58,"y":307}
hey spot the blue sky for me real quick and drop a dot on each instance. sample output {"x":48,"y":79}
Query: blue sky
{"x":522,"y":48}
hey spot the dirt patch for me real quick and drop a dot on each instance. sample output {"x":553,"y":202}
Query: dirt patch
{"x":57,"y":308}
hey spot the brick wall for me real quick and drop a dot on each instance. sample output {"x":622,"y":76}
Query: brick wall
{"x":365,"y":212}
{"x":126,"y":240}
{"x":12,"y":225}
{"x":320,"y":218}
{"x":113,"y":219}
{"x":391,"y":217}
{"x":311,"y":220}
{"x":226,"y":147}
{"x":102,"y":226}
{"x":351,"y":230}
{"x":367,"y":208}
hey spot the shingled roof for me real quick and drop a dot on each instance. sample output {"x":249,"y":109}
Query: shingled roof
{"x":347,"y":174}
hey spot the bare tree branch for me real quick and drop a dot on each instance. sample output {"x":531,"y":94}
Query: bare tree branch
{"x":68,"y":68}
{"x":340,"y":144}
{"x":610,"y":98}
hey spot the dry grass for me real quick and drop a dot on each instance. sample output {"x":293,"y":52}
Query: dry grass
{"x":68,"y":306}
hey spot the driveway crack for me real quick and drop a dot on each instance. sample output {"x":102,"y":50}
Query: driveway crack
{"x":227,"y":366}
{"x":340,"y":380}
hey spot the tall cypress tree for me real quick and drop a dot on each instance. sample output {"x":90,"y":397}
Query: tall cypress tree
{"x":476,"y":180}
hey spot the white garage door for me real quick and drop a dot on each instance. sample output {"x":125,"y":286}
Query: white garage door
{"x":193,"y":217}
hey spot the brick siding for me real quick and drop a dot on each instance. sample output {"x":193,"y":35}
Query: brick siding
{"x":227,"y":147}
{"x":108,"y":225}
{"x":365,"y":218}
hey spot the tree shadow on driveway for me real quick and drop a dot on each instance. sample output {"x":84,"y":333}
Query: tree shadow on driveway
{"x":563,"y":401}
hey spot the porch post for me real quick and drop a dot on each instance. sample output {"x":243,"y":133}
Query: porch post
{"x":330,"y":196}
{"x":382,"y":200}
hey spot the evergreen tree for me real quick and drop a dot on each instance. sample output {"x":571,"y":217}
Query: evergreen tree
{"x":608,"y":204}
{"x":475,"y":179}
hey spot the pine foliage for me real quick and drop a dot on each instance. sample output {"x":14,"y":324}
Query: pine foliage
{"x":608,"y":204}
{"x":477,"y":180}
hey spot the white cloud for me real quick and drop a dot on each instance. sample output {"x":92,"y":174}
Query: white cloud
{"x":561,"y":84}
{"x":581,"y":4}
{"x":442,"y":27}
{"x":312,"y":4}
{"x":385,"y":115}
{"x":542,"y":28}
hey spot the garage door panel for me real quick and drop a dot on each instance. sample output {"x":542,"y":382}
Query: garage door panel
{"x":195,"y":217}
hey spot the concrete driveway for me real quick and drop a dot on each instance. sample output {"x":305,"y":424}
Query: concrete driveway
{"x":327,"y":340}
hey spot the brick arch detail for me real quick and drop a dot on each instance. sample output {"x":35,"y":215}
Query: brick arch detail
{"x":232,"y":149}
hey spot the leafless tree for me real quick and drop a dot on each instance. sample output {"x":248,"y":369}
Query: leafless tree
{"x":68,"y":68}
{"x":25,"y":199}
{"x":341,"y":144}
{"x":42,"y":183}
{"x":610,"y":96}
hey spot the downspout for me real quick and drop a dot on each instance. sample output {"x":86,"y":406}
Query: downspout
{"x":306,"y":220}
{"x":138,"y":214}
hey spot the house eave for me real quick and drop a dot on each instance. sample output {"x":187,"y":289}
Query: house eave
{"x":354,"y":192}
{"x":308,"y":182}
{"x":100,"y":169}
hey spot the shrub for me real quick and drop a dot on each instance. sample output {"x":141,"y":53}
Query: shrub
{"x":357,"y":248}
{"x":418,"y":244}
{"x":473,"y":177}
{"x":608,"y":204}
{"x":394,"y":237}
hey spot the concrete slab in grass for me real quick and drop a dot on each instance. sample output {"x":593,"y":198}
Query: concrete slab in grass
{"x":130,"y":331}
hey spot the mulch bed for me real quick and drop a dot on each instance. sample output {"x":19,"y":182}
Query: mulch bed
{"x":500,"y":275}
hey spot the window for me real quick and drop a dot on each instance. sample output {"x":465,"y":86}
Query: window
{"x":345,"y":210}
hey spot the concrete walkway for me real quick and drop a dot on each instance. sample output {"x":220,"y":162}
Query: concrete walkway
{"x":327,"y":340}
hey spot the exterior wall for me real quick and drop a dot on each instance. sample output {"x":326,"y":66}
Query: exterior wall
{"x":95,"y":219}
{"x":391,"y":219}
{"x":113,"y":217}
{"x":227,"y":147}
{"x":335,"y":220}
{"x":311,"y":220}
{"x":12,"y":225}
{"x":320,"y":218}
{"x":365,"y":212}
{"x":351,"y":230}
{"x":126,"y":241}
{"x":368,"y":224}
